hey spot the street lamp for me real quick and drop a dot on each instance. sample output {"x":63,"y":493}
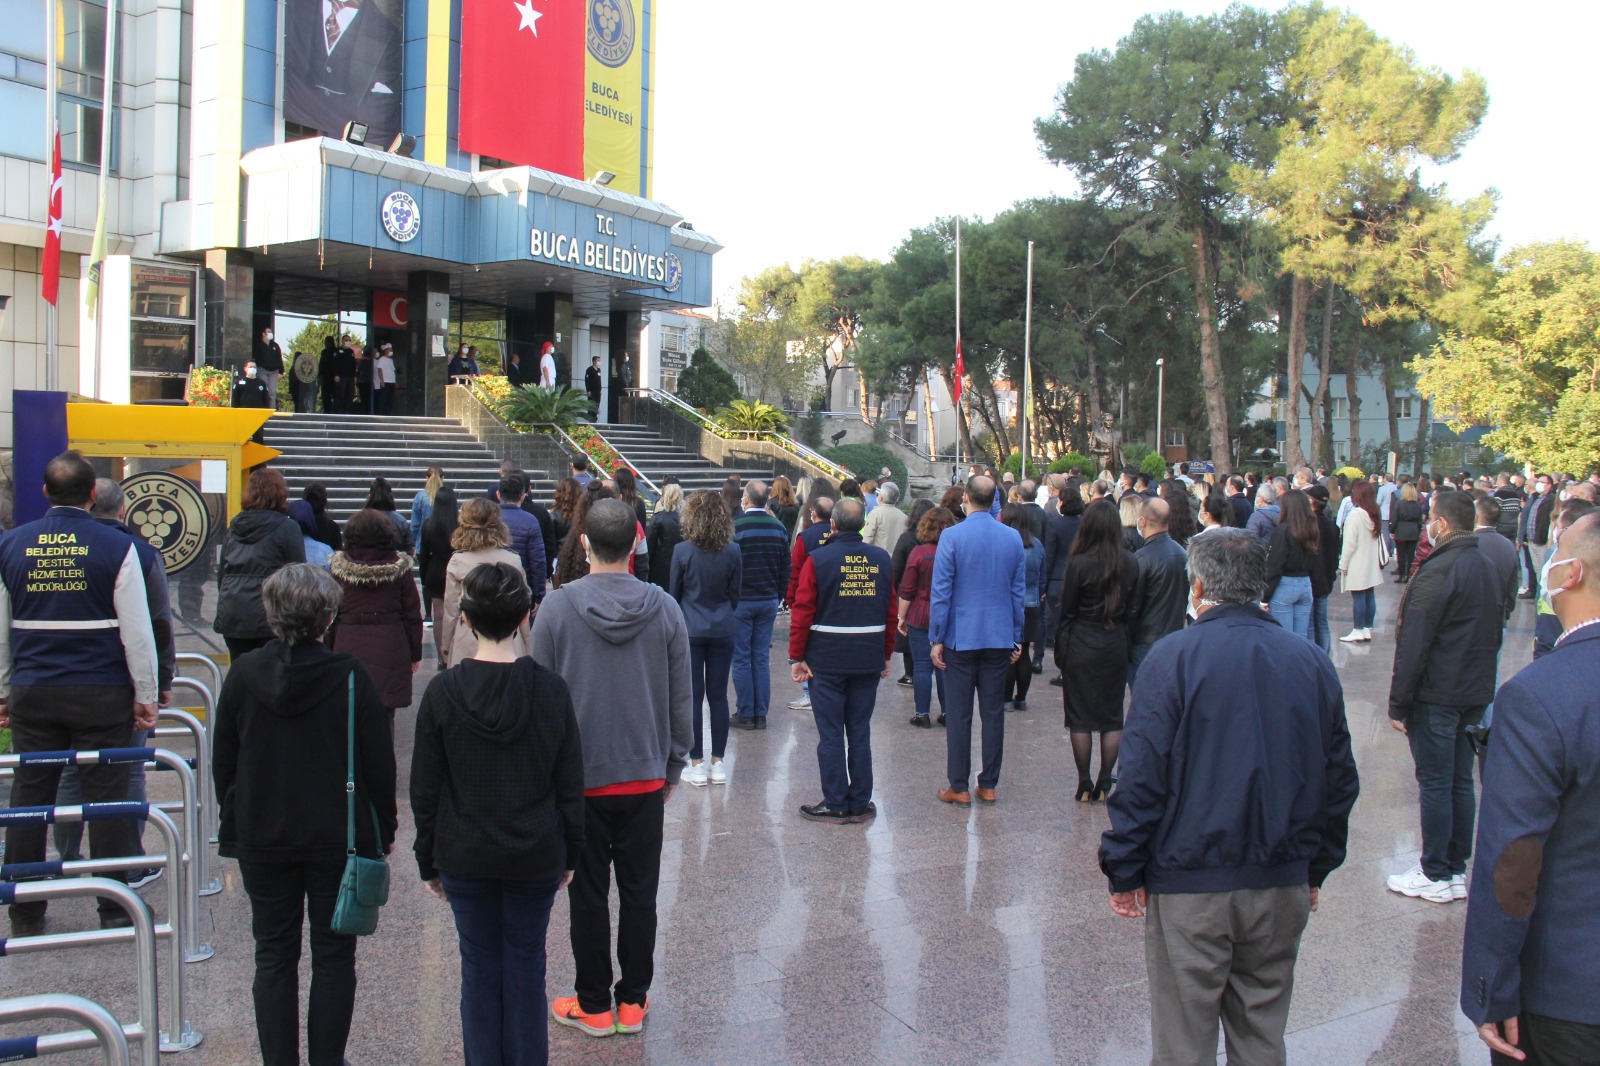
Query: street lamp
{"x":1161,"y":388}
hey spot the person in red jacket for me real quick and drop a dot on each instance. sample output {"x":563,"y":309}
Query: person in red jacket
{"x":804,"y":544}
{"x":841,"y":639}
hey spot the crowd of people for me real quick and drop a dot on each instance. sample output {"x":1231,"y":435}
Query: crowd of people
{"x":585,"y":645}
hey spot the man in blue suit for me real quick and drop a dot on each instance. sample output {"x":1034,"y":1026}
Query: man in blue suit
{"x":1531,"y":956}
{"x":976,"y":632}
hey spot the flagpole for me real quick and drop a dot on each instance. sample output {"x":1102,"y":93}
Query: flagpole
{"x":1027,"y":363}
{"x":958,"y":389}
{"x":108,"y":86}
{"x":50,"y":78}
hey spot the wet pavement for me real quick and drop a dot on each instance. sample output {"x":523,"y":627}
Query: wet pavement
{"x":932,"y":935}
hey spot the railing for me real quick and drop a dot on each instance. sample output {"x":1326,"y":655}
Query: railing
{"x":103,"y":1030}
{"x":665,"y":413}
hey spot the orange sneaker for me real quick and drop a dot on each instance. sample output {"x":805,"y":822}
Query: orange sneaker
{"x":630,"y":1018}
{"x":566,"y":1011}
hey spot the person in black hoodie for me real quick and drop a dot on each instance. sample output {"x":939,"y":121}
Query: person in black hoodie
{"x":497,"y":795}
{"x":260,"y":539}
{"x":280,"y":760}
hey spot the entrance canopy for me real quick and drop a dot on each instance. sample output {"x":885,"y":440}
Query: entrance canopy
{"x":321,"y":207}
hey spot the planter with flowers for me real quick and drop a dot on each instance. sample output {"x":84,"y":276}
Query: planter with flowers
{"x":209,"y":386}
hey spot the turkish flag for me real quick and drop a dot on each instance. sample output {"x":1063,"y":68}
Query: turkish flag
{"x":961,"y":370}
{"x":522,"y":71}
{"x":51,"y":280}
{"x":390,"y":309}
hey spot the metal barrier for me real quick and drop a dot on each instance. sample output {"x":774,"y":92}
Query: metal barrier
{"x":179,"y":860}
{"x":104,"y":1031}
{"x":179,"y":1035}
{"x":192,"y":727}
{"x":196,"y":659}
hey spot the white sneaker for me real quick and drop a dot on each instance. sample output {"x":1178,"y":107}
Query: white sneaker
{"x":801,"y":704}
{"x":719,"y":772}
{"x":1418,"y":885}
{"x":1458,"y":886}
{"x":1352,"y":637}
{"x":695,"y":774}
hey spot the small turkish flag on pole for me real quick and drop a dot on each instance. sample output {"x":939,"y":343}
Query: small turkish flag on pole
{"x":961,"y":370}
{"x":51,"y":274}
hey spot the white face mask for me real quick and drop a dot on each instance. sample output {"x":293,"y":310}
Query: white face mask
{"x":1554,"y":590}
{"x":268,"y":334}
{"x":250,"y":372}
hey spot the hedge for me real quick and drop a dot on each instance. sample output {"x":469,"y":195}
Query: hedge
{"x":865,"y":460}
{"x":1074,"y":461}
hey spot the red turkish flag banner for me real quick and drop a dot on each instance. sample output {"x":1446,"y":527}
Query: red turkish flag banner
{"x":390,"y":309}
{"x":51,"y":280}
{"x":961,"y":372}
{"x":522,"y":82}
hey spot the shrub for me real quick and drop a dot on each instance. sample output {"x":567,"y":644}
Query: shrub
{"x":706,"y":383}
{"x":810,"y":429}
{"x":533,"y":405}
{"x":1074,"y":461}
{"x":1153,"y":464}
{"x":752,"y":415}
{"x":209,"y":386}
{"x":1036,"y":466}
{"x":865,"y":460}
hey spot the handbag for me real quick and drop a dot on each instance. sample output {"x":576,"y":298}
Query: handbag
{"x":1384,"y":554}
{"x":365,"y":884}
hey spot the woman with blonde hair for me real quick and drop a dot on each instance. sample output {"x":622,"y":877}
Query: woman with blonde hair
{"x":664,"y":533}
{"x":481,"y":537}
{"x":1128,"y":508}
{"x":707,"y":570}
{"x":783,"y":504}
{"x":422,"y":504}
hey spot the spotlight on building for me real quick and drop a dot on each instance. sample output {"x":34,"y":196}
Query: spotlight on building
{"x":603,"y":177}
{"x":403,"y":144}
{"x":355,"y":132}
{"x":837,"y":437}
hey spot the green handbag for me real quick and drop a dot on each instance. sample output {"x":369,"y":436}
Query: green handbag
{"x":365,"y":884}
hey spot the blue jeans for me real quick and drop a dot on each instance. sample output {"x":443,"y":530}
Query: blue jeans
{"x":752,"y":656}
{"x":68,"y":836}
{"x":1442,"y":750}
{"x":1365,"y":604}
{"x":501,"y":926}
{"x":1291,"y":605}
{"x":842,"y":705}
{"x":924,"y":678}
{"x":709,"y":659}
{"x":980,"y":672}
{"x":1321,"y":635}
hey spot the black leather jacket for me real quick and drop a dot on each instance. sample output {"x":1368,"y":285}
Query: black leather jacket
{"x":1162,"y":598}
{"x":1450,"y":628}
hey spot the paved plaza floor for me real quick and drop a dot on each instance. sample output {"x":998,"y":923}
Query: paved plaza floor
{"x":932,"y":935}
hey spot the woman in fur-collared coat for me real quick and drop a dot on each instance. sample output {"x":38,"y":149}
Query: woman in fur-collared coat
{"x":380,"y":616}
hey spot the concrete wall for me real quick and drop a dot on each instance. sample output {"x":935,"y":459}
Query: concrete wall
{"x":22,"y":334}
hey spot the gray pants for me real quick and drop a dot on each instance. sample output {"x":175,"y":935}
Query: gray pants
{"x":1225,"y":956}
{"x":270,"y":379}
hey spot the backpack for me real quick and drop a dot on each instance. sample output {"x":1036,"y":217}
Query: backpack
{"x":1510,"y":517}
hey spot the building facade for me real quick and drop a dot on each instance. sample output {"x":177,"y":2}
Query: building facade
{"x":312,"y":168}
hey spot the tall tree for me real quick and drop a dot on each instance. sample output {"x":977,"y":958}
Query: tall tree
{"x":1361,"y":115}
{"x":1159,"y":125}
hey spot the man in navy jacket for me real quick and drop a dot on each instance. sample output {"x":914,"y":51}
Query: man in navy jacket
{"x":975,"y":628}
{"x":1531,"y":958}
{"x":1232,"y":808}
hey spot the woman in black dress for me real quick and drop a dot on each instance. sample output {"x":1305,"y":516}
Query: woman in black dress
{"x":1092,"y":647}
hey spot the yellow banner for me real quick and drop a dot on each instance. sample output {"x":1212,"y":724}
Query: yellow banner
{"x":613,"y":100}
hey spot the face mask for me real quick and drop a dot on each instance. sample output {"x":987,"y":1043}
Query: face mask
{"x":250,"y":372}
{"x":269,"y":334}
{"x":1552,"y":589}
{"x":1565,"y":496}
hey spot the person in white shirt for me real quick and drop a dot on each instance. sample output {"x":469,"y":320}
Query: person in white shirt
{"x":547,"y":366}
{"x":384,"y":379}
{"x":1386,"y":491}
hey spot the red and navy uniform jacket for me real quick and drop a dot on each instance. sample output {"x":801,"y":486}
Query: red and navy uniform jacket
{"x":843,"y":616}
{"x":807,"y":542}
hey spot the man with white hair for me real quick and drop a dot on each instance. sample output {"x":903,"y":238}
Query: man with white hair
{"x":1264,"y":519}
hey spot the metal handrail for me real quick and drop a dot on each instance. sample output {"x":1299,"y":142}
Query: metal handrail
{"x":202,"y":660}
{"x":208,"y":786}
{"x":551,"y":427}
{"x":788,"y":444}
{"x":103,"y":1031}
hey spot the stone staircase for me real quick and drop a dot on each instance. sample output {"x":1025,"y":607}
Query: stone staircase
{"x":345,"y":452}
{"x":656,"y":456}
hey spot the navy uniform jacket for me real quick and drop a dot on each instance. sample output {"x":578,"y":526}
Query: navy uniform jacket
{"x":844,"y":614}
{"x":1533,"y":932}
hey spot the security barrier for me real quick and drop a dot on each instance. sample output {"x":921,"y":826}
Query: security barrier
{"x":190,"y":726}
{"x":183,"y":883}
{"x":207,"y":715}
{"x":178,"y":1035}
{"x":103,"y":1030}
{"x":196,"y":659}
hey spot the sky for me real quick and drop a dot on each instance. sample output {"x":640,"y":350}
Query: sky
{"x":794,"y":131}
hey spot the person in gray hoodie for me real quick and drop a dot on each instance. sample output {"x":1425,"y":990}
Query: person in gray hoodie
{"x":623,"y":648}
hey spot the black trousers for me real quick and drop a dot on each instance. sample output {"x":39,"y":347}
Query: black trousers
{"x":385,"y":403}
{"x":1552,"y":1042}
{"x":330,"y":401}
{"x":621,"y":832}
{"x":281,"y":894}
{"x":238,"y":646}
{"x":70,"y":718}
